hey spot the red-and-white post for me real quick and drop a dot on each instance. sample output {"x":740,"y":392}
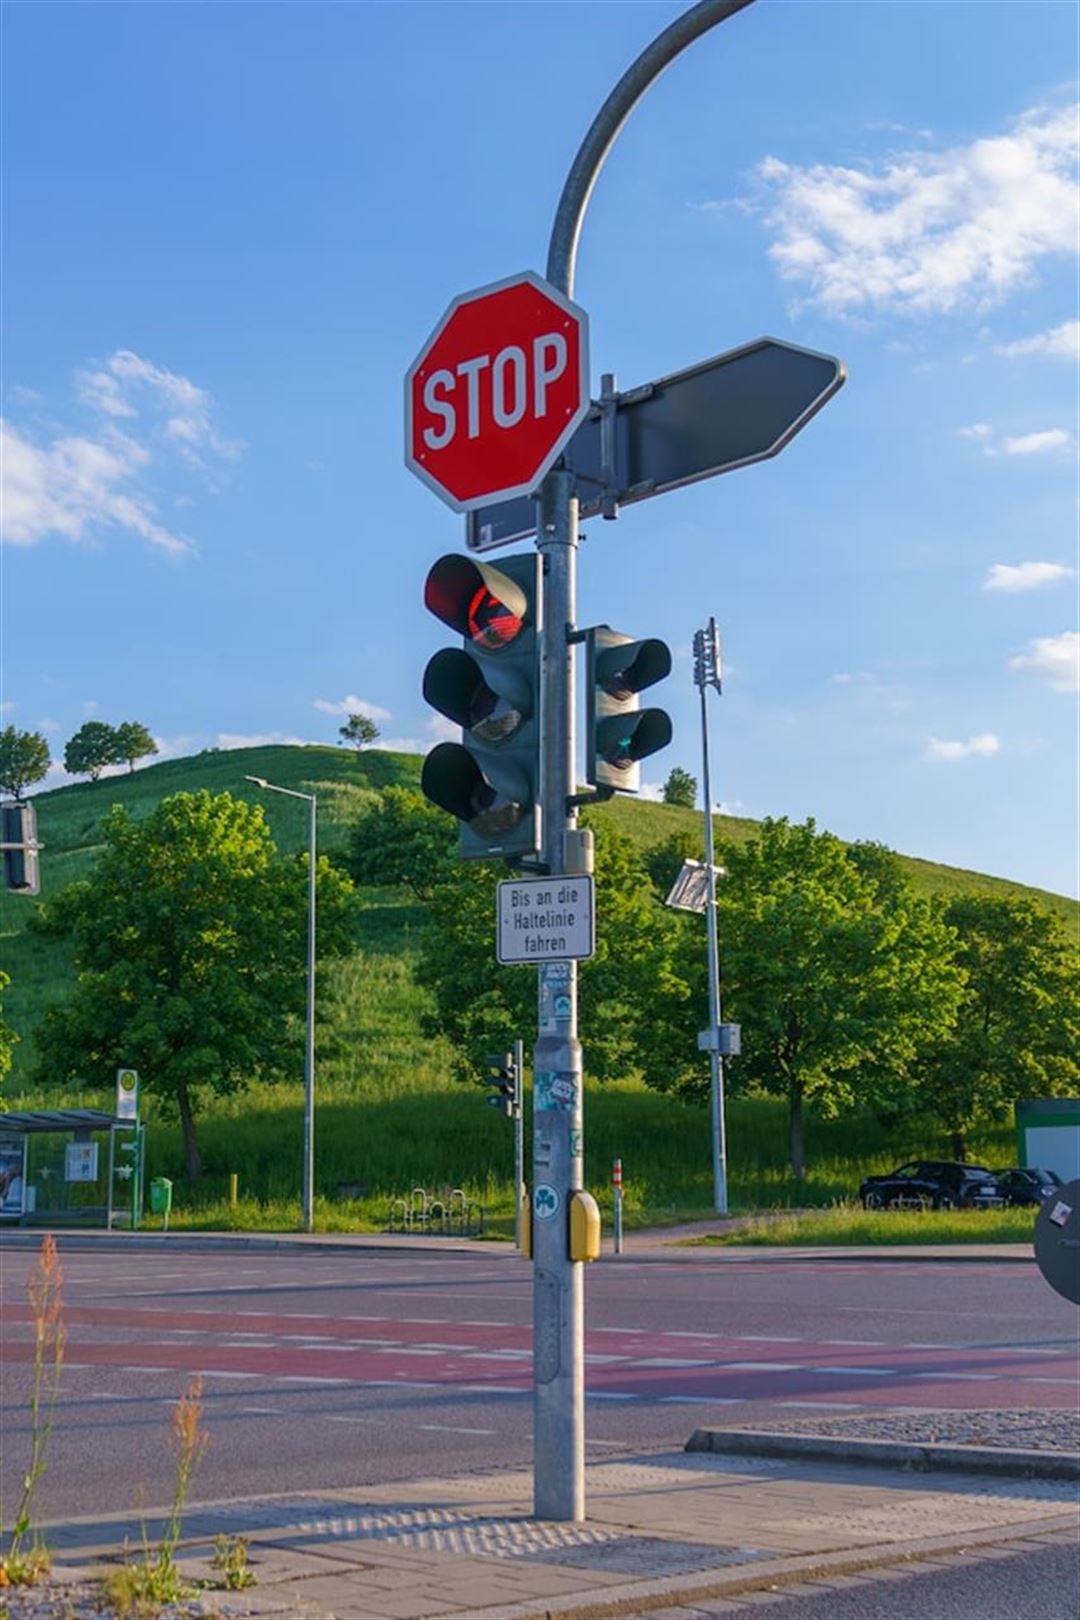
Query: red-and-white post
{"x":616,"y":1182}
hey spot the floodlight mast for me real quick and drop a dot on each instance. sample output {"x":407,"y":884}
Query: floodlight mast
{"x":558,"y":1128}
{"x":708,"y":672}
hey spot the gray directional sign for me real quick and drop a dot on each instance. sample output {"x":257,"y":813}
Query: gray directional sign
{"x":727,"y":412}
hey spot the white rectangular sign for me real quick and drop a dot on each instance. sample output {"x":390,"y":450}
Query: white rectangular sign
{"x":549,"y":919}
{"x":81,"y":1161}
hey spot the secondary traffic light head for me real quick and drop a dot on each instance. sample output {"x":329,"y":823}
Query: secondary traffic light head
{"x":619,"y":732}
{"x":503,"y":1079}
{"x":489,"y":687}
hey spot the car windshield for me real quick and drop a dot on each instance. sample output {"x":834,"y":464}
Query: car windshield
{"x":1049,"y":1178}
{"x":978,"y":1172}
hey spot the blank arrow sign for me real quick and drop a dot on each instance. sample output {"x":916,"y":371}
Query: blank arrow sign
{"x":727,"y":412}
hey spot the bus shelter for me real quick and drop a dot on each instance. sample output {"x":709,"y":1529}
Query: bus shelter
{"x":71,"y":1167}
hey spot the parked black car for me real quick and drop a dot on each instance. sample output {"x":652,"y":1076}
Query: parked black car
{"x":932,"y":1184}
{"x":1027,"y":1186}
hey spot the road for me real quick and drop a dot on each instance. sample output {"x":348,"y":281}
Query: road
{"x":326,"y":1369}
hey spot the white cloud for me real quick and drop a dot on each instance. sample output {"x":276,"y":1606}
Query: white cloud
{"x":1036,"y":444}
{"x":6,"y":706}
{"x":1025,"y":576}
{"x":926,"y":232}
{"x":351,"y":705}
{"x":977,"y":430}
{"x":979,"y":747}
{"x":266,"y":739}
{"x":1060,"y":342}
{"x":80,"y":483}
{"x":1055,"y":658}
{"x":90,"y":706}
{"x":73,"y":487}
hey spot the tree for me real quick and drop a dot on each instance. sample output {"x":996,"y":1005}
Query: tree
{"x":479,"y":1004}
{"x":8,"y":1036}
{"x":359,"y":730}
{"x":189,"y":941}
{"x":839,"y":976}
{"x":132,"y":741}
{"x":24,"y":760}
{"x":91,"y":749}
{"x":680,"y":788}
{"x":401,"y":838}
{"x":1017,"y":1031}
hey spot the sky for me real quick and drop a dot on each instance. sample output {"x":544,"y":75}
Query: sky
{"x":228,"y":229}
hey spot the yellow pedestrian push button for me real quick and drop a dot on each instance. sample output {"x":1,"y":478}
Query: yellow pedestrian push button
{"x":584,"y":1227}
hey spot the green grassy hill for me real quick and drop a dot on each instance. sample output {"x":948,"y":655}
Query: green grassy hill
{"x":389,"y":1115}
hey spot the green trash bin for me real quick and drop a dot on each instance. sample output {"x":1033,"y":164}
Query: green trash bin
{"x":161,"y":1198}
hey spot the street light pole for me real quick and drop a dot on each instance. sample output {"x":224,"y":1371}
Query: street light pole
{"x":706,"y":674}
{"x":309,"y":1038}
{"x":558,"y":1122}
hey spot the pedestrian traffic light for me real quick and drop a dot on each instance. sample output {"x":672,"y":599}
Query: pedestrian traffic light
{"x":490,"y":688}
{"x":503,"y":1078}
{"x":19,"y":825}
{"x":618,"y":731}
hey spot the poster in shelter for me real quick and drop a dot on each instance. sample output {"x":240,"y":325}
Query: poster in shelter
{"x":12,"y":1174}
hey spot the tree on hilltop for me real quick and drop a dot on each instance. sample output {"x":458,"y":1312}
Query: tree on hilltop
{"x":188,"y":939}
{"x":359,"y":730}
{"x":132,"y":741}
{"x":680,"y":788}
{"x":24,"y":760}
{"x":91,"y":749}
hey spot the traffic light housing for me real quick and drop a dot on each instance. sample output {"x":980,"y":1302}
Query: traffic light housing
{"x":619,"y":732}
{"x":503,"y":1078}
{"x":19,"y":826}
{"x":490,"y":688}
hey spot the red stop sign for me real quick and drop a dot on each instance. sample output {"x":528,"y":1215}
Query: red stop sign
{"x":497,"y":391}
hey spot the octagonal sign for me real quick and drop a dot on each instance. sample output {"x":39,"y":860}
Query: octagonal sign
{"x":497,"y":391}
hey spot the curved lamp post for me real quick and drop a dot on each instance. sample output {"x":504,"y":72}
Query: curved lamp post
{"x":558,"y":1286}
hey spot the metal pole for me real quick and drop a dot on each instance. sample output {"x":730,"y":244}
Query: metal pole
{"x":558,"y":1128}
{"x":617,"y":1182}
{"x":309,"y":1050}
{"x":519,"y":1136}
{"x":716,"y":1062}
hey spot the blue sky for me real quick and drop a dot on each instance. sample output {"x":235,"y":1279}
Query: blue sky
{"x":227,"y":230}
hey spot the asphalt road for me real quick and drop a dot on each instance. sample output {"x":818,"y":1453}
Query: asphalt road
{"x":337,"y":1368}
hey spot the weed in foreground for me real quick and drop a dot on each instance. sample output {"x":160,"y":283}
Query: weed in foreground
{"x":27,"y":1558}
{"x":137,"y":1589}
{"x":230,"y":1560}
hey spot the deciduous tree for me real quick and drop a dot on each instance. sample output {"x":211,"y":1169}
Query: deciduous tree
{"x":91,"y":749}
{"x":132,"y":741}
{"x":837,"y":971}
{"x":359,"y":730}
{"x":189,"y":941}
{"x":24,"y":760}
{"x":1017,"y":1031}
{"x":680,"y":788}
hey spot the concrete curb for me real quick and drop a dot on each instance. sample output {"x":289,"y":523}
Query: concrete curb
{"x":1009,"y":1461}
{"x":659,"y":1251}
{"x":776,"y":1573}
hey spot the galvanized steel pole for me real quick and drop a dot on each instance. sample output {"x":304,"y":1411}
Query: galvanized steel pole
{"x":706,"y":674}
{"x":558,"y":1146}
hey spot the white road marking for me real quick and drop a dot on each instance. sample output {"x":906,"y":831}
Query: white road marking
{"x":452,"y":1428}
{"x":763,"y":1366}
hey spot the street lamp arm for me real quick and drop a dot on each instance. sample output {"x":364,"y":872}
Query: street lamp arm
{"x":562,"y":250}
{"x":271,"y":787}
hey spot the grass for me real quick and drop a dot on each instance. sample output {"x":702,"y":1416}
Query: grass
{"x":849,"y":1224}
{"x":389,"y":1117}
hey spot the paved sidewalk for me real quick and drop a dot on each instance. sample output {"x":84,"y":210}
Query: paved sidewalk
{"x":663,"y":1529}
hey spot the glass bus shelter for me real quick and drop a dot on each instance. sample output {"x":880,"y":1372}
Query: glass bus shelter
{"x":71,"y":1167}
